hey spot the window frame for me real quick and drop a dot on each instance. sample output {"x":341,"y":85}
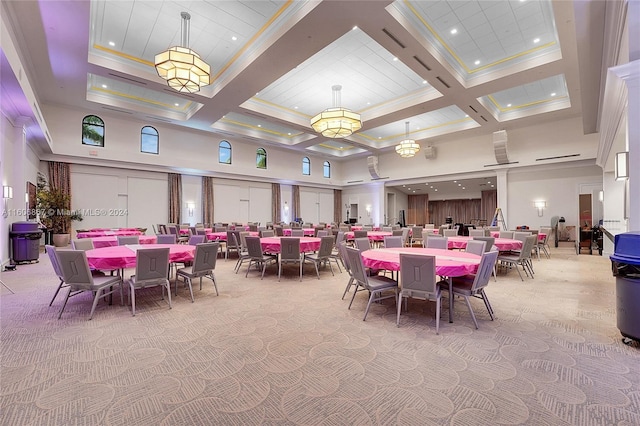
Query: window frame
{"x":157,"y":135}
{"x":326,"y":170}
{"x":261,"y":152}
{"x":229,"y":148}
{"x":100,"y":125}
{"x":306,"y":162}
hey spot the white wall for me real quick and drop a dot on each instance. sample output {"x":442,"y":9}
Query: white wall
{"x":316,"y":205}
{"x":372,"y":195}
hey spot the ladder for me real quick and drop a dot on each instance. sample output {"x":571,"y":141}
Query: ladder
{"x":498,"y":219}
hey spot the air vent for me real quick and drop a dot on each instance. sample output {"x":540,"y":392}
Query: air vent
{"x":355,"y":181}
{"x":444,"y":83}
{"x":392,"y":37}
{"x":422,"y":63}
{"x":128,"y":79}
{"x":158,"y":119}
{"x":117,"y":110}
{"x":249,"y":138}
{"x":473,"y":109}
{"x":557,"y":157}
{"x":500,"y":146}
{"x":504,"y":164}
{"x":482,"y":116}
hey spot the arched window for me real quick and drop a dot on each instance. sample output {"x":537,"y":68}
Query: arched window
{"x":327,"y":169}
{"x":306,"y":166}
{"x":93,"y":131}
{"x":261,"y":158}
{"x":149,"y":140}
{"x":224,"y":152}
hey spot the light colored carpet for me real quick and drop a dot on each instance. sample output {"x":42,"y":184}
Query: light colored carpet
{"x":285,"y":353}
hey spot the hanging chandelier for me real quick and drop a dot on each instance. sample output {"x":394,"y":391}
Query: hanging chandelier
{"x":182,"y":67}
{"x":336,"y":122}
{"x":407,"y":147}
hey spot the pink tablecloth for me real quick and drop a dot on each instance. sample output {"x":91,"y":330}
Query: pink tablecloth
{"x":222,"y":236}
{"x":185,"y":231}
{"x":541,"y":235}
{"x":100,"y":242}
{"x":94,"y":234}
{"x":307,"y":244}
{"x":448,"y":263}
{"x":359,"y":228}
{"x":308,"y":232}
{"x":373,"y":235}
{"x":503,"y":244}
{"x":118,"y":257}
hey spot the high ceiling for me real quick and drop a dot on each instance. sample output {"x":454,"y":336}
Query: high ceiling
{"x":443,"y":66}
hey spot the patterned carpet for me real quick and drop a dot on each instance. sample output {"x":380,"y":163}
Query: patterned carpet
{"x":291,"y":353}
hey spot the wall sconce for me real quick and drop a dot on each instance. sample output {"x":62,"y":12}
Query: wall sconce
{"x":7,"y":192}
{"x":622,"y":165}
{"x":368,"y":209}
{"x":601,"y":196}
{"x":540,"y":205}
{"x":286,"y":206}
{"x":191,"y":207}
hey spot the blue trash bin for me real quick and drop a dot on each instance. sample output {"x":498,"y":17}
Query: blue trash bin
{"x":625,"y":264}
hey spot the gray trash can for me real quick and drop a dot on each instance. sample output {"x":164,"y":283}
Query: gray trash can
{"x":625,"y":263}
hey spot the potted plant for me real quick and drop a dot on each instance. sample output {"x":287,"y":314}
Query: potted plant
{"x":54,"y":209}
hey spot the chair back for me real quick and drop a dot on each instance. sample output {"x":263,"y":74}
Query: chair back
{"x":397,"y":232}
{"x":123,"y":240}
{"x":450,"y":232}
{"x":233,"y":238}
{"x":358,"y":271}
{"x":166,"y":239}
{"x":506,"y":234}
{"x":387,"y":229}
{"x":476,"y":232}
{"x":253,"y":228}
{"x":193,"y":230}
{"x":220,"y":229}
{"x":326,"y":247}
{"x":243,"y":239}
{"x":279,"y":231}
{"x":196,"y":239}
{"x":162,"y":229}
{"x":152,"y":266}
{"x":322,"y":233}
{"x":528,"y":245}
{"x":485,"y":269}
{"x":53,"y":257}
{"x":367,"y":228}
{"x":521,"y":236}
{"x":297,"y":232}
{"x":342,"y":250}
{"x":476,"y":247}
{"x":254,"y":248}
{"x":267,"y":233}
{"x":490,"y":241}
{"x":405,"y":236}
{"x":75,"y":268}
{"x":360,"y":234}
{"x":418,"y":273}
{"x":289,"y":248}
{"x":362,"y":244}
{"x":416,"y":232}
{"x":82,"y":244}
{"x":390,"y":241}
{"x":429,"y":226}
{"x":339,"y":237}
{"x":204,"y":259}
{"x":172,"y":229}
{"x":434,"y":241}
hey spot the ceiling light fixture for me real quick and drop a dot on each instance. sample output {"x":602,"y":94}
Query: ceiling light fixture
{"x":407,"y":147}
{"x":336,"y":122}
{"x":182,"y":67}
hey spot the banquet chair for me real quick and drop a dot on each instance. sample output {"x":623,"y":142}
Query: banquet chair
{"x":376,"y":285}
{"x":476,"y":247}
{"x":196,"y":239}
{"x":244,"y":254}
{"x":83,"y":244}
{"x":416,"y":235}
{"x":204,"y":262}
{"x":405,"y":236}
{"x":220,"y":229}
{"x":523,"y":258}
{"x":429,"y":226}
{"x":392,"y":242}
{"x":490,"y":243}
{"x":193,"y":230}
{"x":253,"y":227}
{"x":174,"y":230}
{"x":474,"y":285}
{"x":323,"y":255}
{"x":476,"y":232}
{"x":53,"y":257}
{"x":543,"y":244}
{"x":166,"y":239}
{"x":124,"y":240}
{"x":360,"y":234}
{"x":434,"y":241}
{"x":506,"y":234}
{"x":387,"y":229}
{"x":232,"y":244}
{"x":297,"y":232}
{"x":450,"y":232}
{"x":267,"y":233}
{"x":279,"y":231}
{"x":342,"y":249}
{"x":256,"y":256}
{"x":396,"y":233}
{"x":152,"y":270}
{"x":201,"y":231}
{"x":335,"y":253}
{"x":290,"y":253}
{"x":78,"y":277}
{"x":162,"y":229}
{"x":418,"y":279}
{"x":362,"y":244}
{"x":322,"y":233}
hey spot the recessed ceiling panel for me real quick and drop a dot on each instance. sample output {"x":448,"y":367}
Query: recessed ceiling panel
{"x":481,"y":37}
{"x":257,"y":127}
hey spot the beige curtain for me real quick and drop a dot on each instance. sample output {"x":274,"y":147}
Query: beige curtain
{"x":60,"y":177}
{"x":175,"y":197}
{"x":276,"y":201}
{"x":461,"y":211}
{"x":418,"y":206}
{"x":295,"y":208}
{"x":489,"y":203}
{"x":207,"y":200}
{"x":337,"y":205}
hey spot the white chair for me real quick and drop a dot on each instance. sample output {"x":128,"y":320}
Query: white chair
{"x":152,"y":270}
{"x":523,"y":258}
{"x":83,"y":244}
{"x":204,"y":262}
{"x":418,"y":279}
{"x":476,"y":232}
{"x":124,"y":240}
{"x":450,"y":232}
{"x":392,"y":242}
{"x":290,"y":253}
{"x":476,"y":247}
{"x":434,"y":241}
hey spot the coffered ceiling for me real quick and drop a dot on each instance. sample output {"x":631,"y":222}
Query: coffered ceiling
{"x":445,"y":67}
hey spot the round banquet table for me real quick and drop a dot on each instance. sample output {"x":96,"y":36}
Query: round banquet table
{"x":108,"y":233}
{"x":372,"y":235}
{"x":307,"y":244}
{"x":222,"y":236}
{"x":503,"y":244}
{"x":120,"y":257}
{"x":99,"y":242}
{"x":541,"y":235}
{"x":185,"y":231}
{"x":308,"y":232}
{"x":448,"y":263}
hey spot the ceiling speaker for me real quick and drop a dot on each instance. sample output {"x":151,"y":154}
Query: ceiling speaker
{"x":429,"y":152}
{"x":372,"y":164}
{"x":500,"y":146}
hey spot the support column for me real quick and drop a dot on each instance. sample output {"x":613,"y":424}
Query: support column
{"x":632,"y":79}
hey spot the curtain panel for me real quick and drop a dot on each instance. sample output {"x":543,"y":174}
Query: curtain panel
{"x":276,"y":202}
{"x":295,"y":208}
{"x":60,"y":177}
{"x":207,"y":201}
{"x":337,"y":206}
{"x":489,"y":203}
{"x":175,"y":197}
{"x":461,"y":211}
{"x":418,"y":209}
